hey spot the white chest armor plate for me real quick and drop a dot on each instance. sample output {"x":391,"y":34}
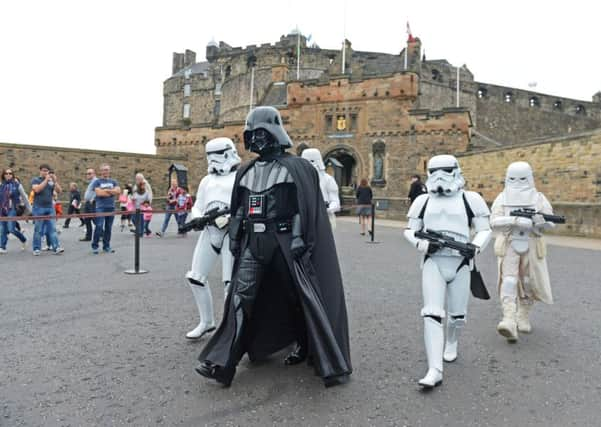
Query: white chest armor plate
{"x":518,"y":238}
{"x":448,"y":215}
{"x":217,"y":192}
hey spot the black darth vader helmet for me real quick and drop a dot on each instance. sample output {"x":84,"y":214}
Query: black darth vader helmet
{"x":264,"y":131}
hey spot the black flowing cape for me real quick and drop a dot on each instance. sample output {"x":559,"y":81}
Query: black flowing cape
{"x":318,"y":282}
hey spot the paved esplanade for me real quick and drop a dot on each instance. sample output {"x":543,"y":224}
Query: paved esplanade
{"x":85,"y":344}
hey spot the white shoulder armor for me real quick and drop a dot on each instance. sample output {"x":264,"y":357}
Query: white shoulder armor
{"x":477,"y":203}
{"x":416,"y":207}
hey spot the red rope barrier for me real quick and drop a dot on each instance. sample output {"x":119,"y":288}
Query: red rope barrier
{"x":84,"y":215}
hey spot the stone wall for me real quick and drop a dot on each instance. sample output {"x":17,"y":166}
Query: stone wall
{"x":70,"y":164}
{"x":567,"y":170}
{"x":509,"y":123}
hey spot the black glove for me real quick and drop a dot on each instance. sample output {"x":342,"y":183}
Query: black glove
{"x":297,"y":247}
{"x":235,"y":248}
{"x":433,"y":247}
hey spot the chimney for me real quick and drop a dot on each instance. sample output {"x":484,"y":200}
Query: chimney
{"x":178,"y":62}
{"x":189,"y":58}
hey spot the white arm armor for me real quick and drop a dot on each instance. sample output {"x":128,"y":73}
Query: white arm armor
{"x":498,"y":220}
{"x":480,"y":222}
{"x":332,"y":197}
{"x":544,"y":207}
{"x":199,"y":205}
{"x":415,"y":223}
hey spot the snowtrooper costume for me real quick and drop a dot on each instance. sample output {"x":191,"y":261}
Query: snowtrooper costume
{"x":214,"y":190}
{"x":523,"y":274}
{"x":327,"y":183}
{"x":450,"y":210}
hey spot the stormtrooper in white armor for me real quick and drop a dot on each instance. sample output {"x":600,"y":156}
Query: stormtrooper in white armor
{"x":214,"y":191}
{"x":449,"y":210}
{"x":523,"y":274}
{"x":327,"y":183}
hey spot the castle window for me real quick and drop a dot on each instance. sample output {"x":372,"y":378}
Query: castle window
{"x":557,"y":105}
{"x":187,"y":73}
{"x":436,"y":75}
{"x":534,"y":101}
{"x":187,"y":90}
{"x":508,"y":97}
{"x":186,"y":111}
{"x":482,"y":92}
{"x":353,"y":123}
{"x":580,"y":109}
{"x":228,"y":71}
{"x":328,"y":123}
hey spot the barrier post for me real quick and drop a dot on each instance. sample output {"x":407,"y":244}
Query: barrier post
{"x":372,"y":232}
{"x":139,"y":226}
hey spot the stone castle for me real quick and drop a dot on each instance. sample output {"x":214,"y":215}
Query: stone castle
{"x":372,"y":115}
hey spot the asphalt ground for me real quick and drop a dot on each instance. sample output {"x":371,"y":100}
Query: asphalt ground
{"x":84,"y":344}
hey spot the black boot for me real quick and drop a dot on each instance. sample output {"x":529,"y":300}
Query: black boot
{"x":223,"y":375}
{"x":299,"y":355}
{"x":337,"y":380}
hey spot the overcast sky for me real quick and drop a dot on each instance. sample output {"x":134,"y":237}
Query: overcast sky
{"x":89,"y":74}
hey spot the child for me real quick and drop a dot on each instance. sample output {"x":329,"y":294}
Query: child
{"x":58,"y":208}
{"x":184,"y":204}
{"x":123,"y":199}
{"x":131,"y":210}
{"x":147,"y":212}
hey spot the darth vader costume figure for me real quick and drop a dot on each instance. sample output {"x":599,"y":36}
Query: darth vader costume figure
{"x":286,"y":285}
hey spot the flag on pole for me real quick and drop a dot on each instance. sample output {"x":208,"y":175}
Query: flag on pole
{"x":410,"y":37}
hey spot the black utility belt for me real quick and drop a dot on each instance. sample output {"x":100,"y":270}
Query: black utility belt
{"x":274,"y":226}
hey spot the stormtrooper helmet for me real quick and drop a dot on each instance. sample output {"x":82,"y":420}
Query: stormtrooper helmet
{"x":221,"y":156}
{"x":264,"y":132}
{"x":314,"y":156}
{"x":519,"y":185}
{"x":444,"y":175}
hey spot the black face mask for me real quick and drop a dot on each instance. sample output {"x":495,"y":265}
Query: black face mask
{"x":262,"y":142}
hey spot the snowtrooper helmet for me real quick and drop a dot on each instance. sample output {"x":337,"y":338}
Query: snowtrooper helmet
{"x":444,"y":175}
{"x":221,"y":156}
{"x":314,"y":156}
{"x":264,"y":132}
{"x":519,"y":185}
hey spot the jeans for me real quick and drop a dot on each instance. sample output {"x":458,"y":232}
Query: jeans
{"x":181,"y":218}
{"x":46,"y":227}
{"x":104,"y":226}
{"x":170,"y":211}
{"x":10,"y":227}
{"x":88,"y":208}
{"x":147,"y":227}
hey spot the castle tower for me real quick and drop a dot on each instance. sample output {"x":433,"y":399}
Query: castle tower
{"x":212,"y":50}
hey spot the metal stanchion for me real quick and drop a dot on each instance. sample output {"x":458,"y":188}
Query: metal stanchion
{"x":137,"y":234}
{"x":373,"y":224}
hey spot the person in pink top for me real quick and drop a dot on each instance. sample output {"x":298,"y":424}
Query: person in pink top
{"x":147,"y":213}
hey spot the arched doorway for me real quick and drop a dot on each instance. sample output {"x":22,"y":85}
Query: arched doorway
{"x":346,"y":174}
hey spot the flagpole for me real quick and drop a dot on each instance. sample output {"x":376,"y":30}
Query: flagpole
{"x":407,"y":44}
{"x":252,"y":84}
{"x":297,"y":53}
{"x":457,"y":87}
{"x":344,"y":39}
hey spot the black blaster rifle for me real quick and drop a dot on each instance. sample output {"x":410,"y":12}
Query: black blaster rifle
{"x":529,"y":213}
{"x":467,"y":250}
{"x":202,"y":221}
